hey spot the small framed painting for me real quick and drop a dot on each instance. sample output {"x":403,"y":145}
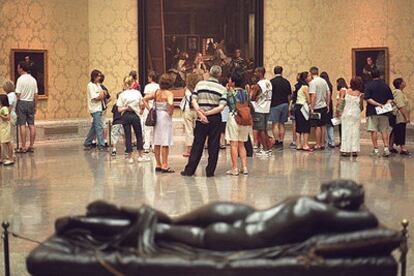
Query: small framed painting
{"x":37,"y":60}
{"x":365,"y":60}
{"x":192,"y":44}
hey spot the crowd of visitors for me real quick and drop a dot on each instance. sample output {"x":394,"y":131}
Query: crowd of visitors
{"x":240,"y":108}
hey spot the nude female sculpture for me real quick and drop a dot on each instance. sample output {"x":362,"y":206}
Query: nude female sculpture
{"x":226,"y":226}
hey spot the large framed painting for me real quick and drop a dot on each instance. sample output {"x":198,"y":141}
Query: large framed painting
{"x":37,"y":60}
{"x":365,"y":60}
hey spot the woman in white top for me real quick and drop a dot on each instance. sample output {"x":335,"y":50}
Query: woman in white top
{"x":189,"y":114}
{"x":151,"y":87}
{"x":341,"y":87}
{"x":9,"y":88}
{"x":301,"y":108}
{"x":130,"y":105}
{"x":351,"y":118}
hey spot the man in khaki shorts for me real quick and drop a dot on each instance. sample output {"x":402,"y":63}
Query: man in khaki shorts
{"x":377,"y":94}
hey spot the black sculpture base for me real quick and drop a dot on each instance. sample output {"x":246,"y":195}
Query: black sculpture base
{"x":58,"y":257}
{"x":328,"y":234}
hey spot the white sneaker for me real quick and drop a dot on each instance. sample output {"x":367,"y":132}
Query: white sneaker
{"x":143,"y":158}
{"x":264,"y":153}
{"x":245,"y":171}
{"x":130,"y":160}
{"x":233,"y":172}
{"x":8,"y":162}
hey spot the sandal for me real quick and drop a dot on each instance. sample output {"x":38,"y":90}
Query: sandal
{"x":307,"y":149}
{"x":158,"y":169}
{"x":21,"y":150}
{"x":168,"y":170}
{"x":299,"y":149}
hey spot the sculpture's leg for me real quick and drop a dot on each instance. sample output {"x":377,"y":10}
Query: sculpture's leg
{"x":193,"y":236}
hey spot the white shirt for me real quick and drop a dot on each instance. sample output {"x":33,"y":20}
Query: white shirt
{"x":94,"y":90}
{"x":151,"y":88}
{"x":264,"y":99}
{"x":12,"y":102}
{"x":130,"y":98}
{"x":26,"y":86}
{"x":319,"y":87}
{"x":12,"y":99}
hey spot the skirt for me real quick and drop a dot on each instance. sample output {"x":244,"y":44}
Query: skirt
{"x":302,"y":125}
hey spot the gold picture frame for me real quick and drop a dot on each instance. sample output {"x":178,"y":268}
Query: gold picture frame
{"x":39,"y":67}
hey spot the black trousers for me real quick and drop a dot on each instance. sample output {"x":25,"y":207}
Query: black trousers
{"x":211,"y":130}
{"x":399,"y":131}
{"x":131,"y":119}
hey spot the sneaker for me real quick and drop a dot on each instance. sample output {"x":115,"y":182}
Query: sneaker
{"x":130,"y":160}
{"x":8,"y":162}
{"x":264,"y":153}
{"x":386,"y":153}
{"x":87,"y":147}
{"x":279,"y":146}
{"x":375,"y":153}
{"x":292,"y":145}
{"x":143,"y":158}
{"x":113,"y":152}
{"x":245,"y":171}
{"x":394,"y":150}
{"x":183,"y":173}
{"x":233,"y":172}
{"x":147,"y":151}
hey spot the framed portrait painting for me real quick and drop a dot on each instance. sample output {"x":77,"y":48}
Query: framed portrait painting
{"x":192,"y":44}
{"x":365,"y":60}
{"x":37,"y":60}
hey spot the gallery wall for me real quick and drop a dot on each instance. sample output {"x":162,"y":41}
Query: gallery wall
{"x":82,"y":35}
{"x":113,"y":40}
{"x":60,"y":27}
{"x":79,"y":36}
{"x":299,"y":34}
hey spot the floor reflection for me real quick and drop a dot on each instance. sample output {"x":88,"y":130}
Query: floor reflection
{"x":61,"y":180}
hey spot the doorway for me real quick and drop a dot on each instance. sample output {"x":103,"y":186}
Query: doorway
{"x":183,"y":36}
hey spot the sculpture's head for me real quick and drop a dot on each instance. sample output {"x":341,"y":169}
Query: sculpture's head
{"x":343,"y":194}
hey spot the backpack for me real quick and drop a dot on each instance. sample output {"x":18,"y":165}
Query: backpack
{"x":242,"y":113}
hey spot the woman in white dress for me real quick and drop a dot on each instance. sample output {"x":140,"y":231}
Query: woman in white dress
{"x":351,"y":119}
{"x":163,"y":130}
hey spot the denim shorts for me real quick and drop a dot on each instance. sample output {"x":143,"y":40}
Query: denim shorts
{"x":279,"y":113}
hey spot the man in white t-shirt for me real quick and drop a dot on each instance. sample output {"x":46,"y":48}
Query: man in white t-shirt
{"x":320,"y":96}
{"x":261,"y":104}
{"x":26,"y":92}
{"x":95,"y":97}
{"x":151,"y":87}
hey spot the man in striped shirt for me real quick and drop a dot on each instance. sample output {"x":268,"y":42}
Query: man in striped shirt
{"x":209,"y":99}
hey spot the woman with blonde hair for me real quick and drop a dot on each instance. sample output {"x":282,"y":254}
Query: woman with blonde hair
{"x":130,"y":105}
{"x":163,"y":138}
{"x":189,"y":114}
{"x":8,"y":87}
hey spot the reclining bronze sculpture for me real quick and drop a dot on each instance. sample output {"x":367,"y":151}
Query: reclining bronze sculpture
{"x":332,"y":224}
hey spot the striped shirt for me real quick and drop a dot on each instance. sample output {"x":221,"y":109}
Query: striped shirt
{"x":210,"y":94}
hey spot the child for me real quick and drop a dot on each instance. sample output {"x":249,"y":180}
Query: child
{"x":117,"y":129}
{"x":5,"y":129}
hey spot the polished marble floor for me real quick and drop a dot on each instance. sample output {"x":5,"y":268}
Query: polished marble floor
{"x":61,"y":179}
